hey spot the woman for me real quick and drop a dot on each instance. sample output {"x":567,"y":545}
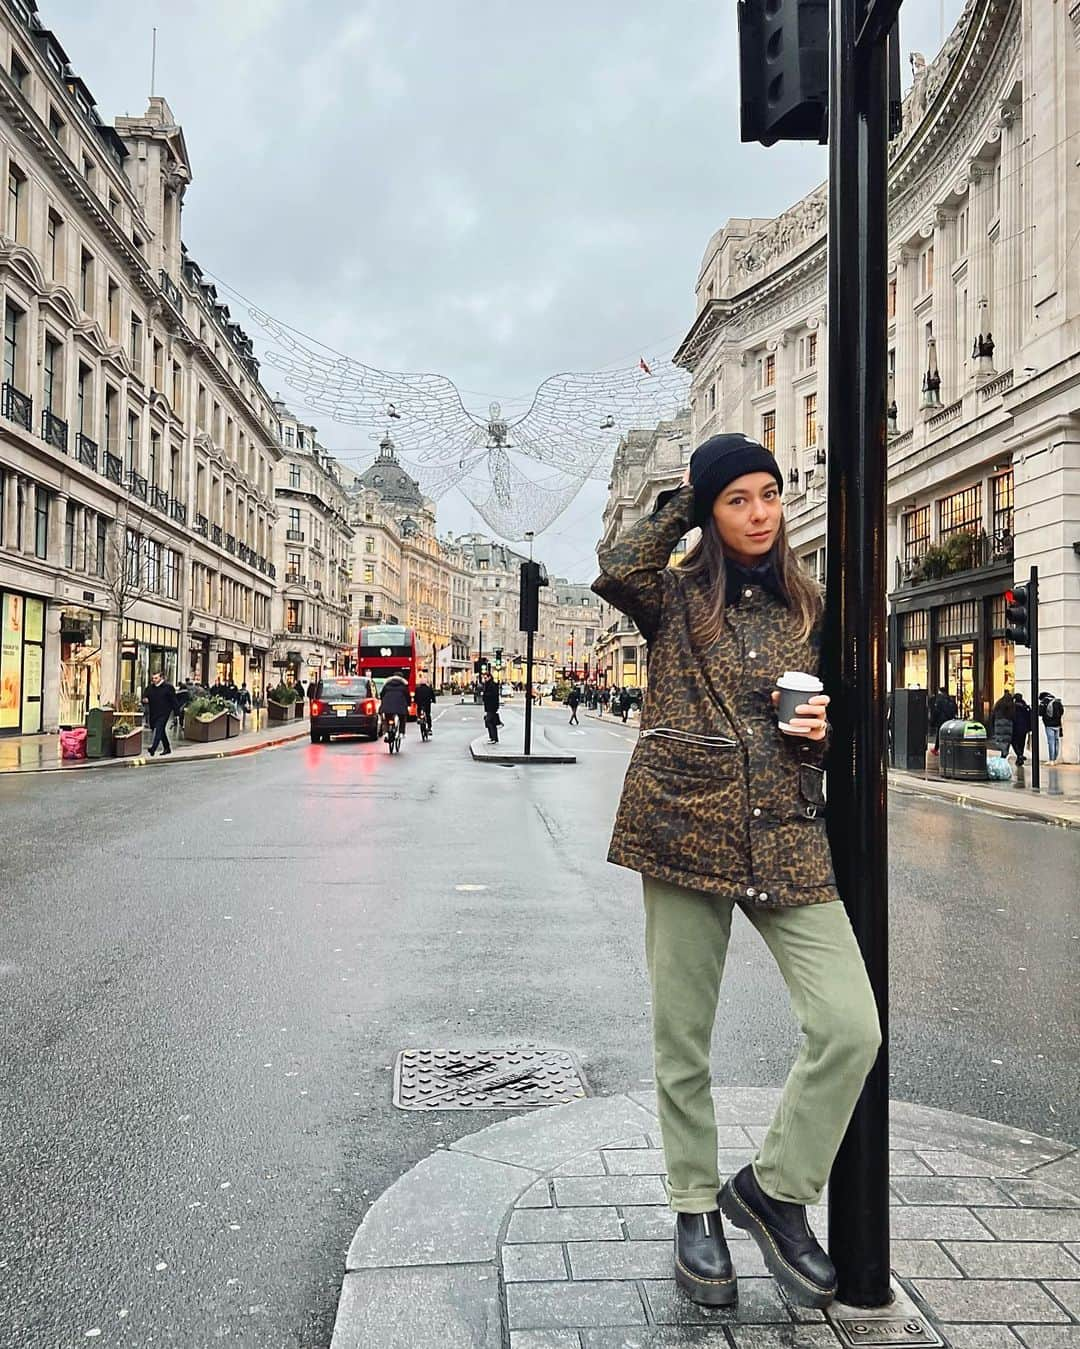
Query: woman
{"x":720,"y":808}
{"x":1002,"y":717}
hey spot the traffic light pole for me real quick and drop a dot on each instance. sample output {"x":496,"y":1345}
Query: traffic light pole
{"x":1033,"y":612}
{"x":528,"y":691}
{"x":854,"y":652}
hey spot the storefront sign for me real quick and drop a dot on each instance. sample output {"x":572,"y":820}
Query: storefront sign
{"x":11,"y":638}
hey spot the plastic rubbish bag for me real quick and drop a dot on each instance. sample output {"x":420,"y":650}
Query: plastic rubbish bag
{"x":73,"y":743}
{"x":999,"y":769}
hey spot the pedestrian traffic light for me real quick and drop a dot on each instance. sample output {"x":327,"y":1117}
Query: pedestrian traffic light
{"x":1018,"y":615}
{"x":533,"y":576}
{"x":784,"y":70}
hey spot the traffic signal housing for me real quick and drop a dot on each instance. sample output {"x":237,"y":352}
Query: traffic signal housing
{"x":1018,"y":615}
{"x":784,"y":70}
{"x":533,"y":577}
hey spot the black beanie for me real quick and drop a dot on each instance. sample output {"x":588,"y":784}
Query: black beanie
{"x":720,"y":460}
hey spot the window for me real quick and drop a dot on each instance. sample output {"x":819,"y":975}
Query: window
{"x":18,"y":71}
{"x":135,"y":342}
{"x":177,"y":385}
{"x":174,"y":470}
{"x":712,"y":397}
{"x":51,"y":375}
{"x":114,"y":205}
{"x":85,"y":398}
{"x":768,"y":431}
{"x":891,"y":308}
{"x":101,"y":542}
{"x":916,"y":533}
{"x":132,"y":447}
{"x":69,"y":534}
{"x":927,"y":269}
{"x":55,"y":245}
{"x":41,"y":522}
{"x":914,"y":628}
{"x":155,"y":457}
{"x":294,"y":520}
{"x":294,"y":475}
{"x":159,"y":366}
{"x":956,"y":620}
{"x":962,"y":232}
{"x":200,"y":408}
{"x":89,"y":169}
{"x":112,"y":291}
{"x":811,"y":350}
{"x":132,"y":558}
{"x":112,"y":428}
{"x":369,"y":573}
{"x":16,"y":203}
{"x":1001,"y":489}
{"x":57,"y":126}
{"x":171,"y":578}
{"x":294,"y":612}
{"x":13,"y":333}
{"x":810,"y":419}
{"x":152,"y":564}
{"x":292,"y":565}
{"x":369,"y":544}
{"x":770,"y":371}
{"x":86,"y":281}
{"x":960,"y":513}
{"x":369,"y":606}
{"x":290,"y":438}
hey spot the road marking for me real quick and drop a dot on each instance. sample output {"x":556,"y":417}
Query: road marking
{"x":470,"y":887}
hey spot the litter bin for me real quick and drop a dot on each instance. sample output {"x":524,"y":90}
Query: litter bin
{"x":963,"y":750}
{"x":99,"y":736}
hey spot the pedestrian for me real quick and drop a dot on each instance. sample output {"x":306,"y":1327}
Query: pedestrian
{"x":490,"y":697}
{"x":244,"y":698}
{"x":616,"y":701}
{"x":573,"y":702}
{"x":183,"y":697}
{"x":159,"y":699}
{"x":1052,"y":712}
{"x":721,"y":628}
{"x":1001,"y":718}
{"x":1021,"y":727}
{"x":625,"y":703}
{"x":944,"y":709}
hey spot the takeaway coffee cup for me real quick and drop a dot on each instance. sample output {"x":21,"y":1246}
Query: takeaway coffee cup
{"x":795,"y":689}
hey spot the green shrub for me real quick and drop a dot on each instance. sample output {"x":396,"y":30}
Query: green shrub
{"x":286,"y":694}
{"x":207,"y":707}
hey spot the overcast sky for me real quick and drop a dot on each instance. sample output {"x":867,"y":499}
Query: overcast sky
{"x":494,"y":191}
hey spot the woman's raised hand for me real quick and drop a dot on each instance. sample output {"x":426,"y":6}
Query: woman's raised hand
{"x":811,"y":718}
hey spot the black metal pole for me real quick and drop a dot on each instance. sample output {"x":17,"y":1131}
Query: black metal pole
{"x":1033,"y":621}
{"x":855,"y":637}
{"x":528,"y":692}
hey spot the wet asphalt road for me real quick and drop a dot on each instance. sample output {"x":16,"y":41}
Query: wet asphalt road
{"x":207,"y":969}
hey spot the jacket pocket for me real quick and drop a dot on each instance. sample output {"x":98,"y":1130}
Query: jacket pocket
{"x":811,"y":790}
{"x":664,"y":749}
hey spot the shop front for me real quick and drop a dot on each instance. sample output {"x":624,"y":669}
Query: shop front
{"x":80,"y":664}
{"x":146,"y":648}
{"x":22,"y":663}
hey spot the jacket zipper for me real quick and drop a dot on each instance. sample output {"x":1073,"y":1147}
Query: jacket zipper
{"x":690,"y":738}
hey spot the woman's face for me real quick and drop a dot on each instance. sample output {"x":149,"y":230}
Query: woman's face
{"x":747,"y":515}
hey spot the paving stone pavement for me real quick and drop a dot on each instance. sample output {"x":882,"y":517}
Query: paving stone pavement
{"x":550,"y":1231}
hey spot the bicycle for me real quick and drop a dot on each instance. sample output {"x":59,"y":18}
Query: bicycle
{"x":424,"y":718}
{"x":393,"y":735}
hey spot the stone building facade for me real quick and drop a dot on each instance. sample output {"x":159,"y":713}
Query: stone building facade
{"x":646,"y":463}
{"x":137,"y":444}
{"x":313,"y":556}
{"x":984,"y":355}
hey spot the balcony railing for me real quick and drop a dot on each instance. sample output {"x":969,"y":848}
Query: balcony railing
{"x":216,"y":534}
{"x":159,"y":499}
{"x":294,"y":535}
{"x":171,"y":290}
{"x":178,"y":511}
{"x":317,"y":587}
{"x":963,"y":552}
{"x":54,"y":431}
{"x":243,"y":552}
{"x":202,"y":525}
{"x":272,"y":570}
{"x":262,"y":564}
{"x":294,"y":578}
{"x":230,"y":543}
{"x":294,"y":628}
{"x":114,"y":467}
{"x":17,"y":407}
{"x":137,"y":484}
{"x":1002,"y":384}
{"x":86,"y":450}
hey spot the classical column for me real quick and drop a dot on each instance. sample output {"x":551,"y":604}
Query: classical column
{"x":29,"y":488}
{"x":945,"y":306}
{"x":11,"y":507}
{"x":50,"y":693}
{"x":908,"y":364}
{"x":57,"y":522}
{"x":1007,"y":305}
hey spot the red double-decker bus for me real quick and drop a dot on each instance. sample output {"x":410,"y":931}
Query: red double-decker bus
{"x":387,"y":650}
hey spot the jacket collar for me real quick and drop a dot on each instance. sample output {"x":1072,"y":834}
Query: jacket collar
{"x":764,"y":575}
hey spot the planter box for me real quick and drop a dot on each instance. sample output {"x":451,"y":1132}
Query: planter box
{"x":280,"y":711}
{"x":126,"y":746}
{"x":233,"y":726}
{"x":196,"y":729}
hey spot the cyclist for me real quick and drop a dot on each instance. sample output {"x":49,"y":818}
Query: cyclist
{"x":424,"y":697}
{"x":395,"y":703}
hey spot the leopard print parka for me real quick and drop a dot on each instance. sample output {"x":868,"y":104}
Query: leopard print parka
{"x":716,"y":797}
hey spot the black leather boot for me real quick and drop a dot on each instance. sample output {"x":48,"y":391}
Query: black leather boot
{"x":702,"y":1261}
{"x":791,"y":1251}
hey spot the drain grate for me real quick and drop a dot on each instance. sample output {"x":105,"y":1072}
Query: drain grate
{"x":485,"y":1079}
{"x":896,"y":1332}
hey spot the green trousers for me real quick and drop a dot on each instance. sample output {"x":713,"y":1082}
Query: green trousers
{"x":686,"y":941}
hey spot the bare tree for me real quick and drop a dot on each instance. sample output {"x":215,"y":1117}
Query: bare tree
{"x":134,"y":570}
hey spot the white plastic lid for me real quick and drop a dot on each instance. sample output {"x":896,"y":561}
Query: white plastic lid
{"x":796,"y":679}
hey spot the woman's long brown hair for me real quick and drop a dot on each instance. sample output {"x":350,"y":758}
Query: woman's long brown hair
{"x":707,"y":561}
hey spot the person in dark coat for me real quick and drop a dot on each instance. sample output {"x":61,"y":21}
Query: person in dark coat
{"x":159,"y":699}
{"x":1021,"y":727}
{"x":944,"y":709}
{"x":490,"y":696}
{"x":1002,"y":718}
{"x":573,"y":702}
{"x":395,"y":702}
{"x":721,"y":809}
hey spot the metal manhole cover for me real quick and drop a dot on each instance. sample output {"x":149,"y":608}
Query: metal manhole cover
{"x":485,"y":1079}
{"x":895,"y":1332}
